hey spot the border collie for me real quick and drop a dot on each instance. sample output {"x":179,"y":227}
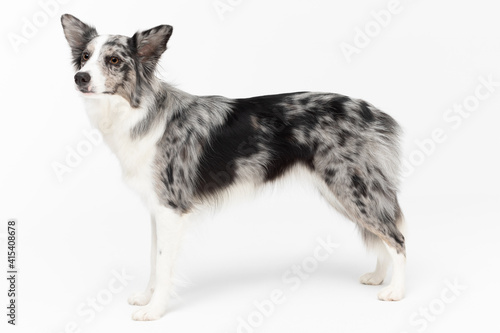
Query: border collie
{"x":180,"y":152}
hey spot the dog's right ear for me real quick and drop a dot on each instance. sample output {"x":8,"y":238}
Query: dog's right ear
{"x":78,"y":35}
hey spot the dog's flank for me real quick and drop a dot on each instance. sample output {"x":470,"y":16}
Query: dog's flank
{"x":181,"y":151}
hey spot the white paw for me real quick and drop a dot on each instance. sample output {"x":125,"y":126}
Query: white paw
{"x":391,"y":293}
{"x":372,"y":279}
{"x":139,"y":298}
{"x":148,"y":313}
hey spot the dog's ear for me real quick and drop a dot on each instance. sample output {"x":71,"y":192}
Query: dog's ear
{"x":151,"y":44}
{"x":78,"y":35}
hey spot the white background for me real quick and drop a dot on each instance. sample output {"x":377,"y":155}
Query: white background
{"x":74,"y":233}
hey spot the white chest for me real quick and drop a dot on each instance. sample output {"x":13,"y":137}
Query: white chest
{"x":115,"y":119}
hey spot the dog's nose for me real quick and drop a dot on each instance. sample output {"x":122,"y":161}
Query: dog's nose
{"x":82,"y":78}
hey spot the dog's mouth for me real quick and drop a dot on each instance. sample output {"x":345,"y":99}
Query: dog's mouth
{"x":89,"y":91}
{"x":86,"y":90}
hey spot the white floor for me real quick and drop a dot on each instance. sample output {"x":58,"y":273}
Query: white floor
{"x":241,"y":255}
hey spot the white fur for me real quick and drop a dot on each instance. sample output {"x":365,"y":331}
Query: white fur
{"x":383,"y":260}
{"x":169,"y":233}
{"x":396,"y":290}
{"x":114,"y":117}
{"x":93,"y":67}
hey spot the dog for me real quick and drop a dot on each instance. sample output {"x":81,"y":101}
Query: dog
{"x":181,"y":152}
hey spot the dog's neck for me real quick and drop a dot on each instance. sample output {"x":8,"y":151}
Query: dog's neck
{"x":132,"y":133}
{"x":113,"y":114}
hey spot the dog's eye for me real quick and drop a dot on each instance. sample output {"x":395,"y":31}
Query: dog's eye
{"x":85,"y":56}
{"x":114,"y":60}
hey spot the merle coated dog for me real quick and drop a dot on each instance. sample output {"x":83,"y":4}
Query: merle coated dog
{"x":180,"y":152}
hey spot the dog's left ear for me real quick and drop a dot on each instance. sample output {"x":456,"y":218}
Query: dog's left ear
{"x":151,"y":44}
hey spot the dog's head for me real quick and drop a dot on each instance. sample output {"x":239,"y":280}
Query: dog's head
{"x":114,"y":64}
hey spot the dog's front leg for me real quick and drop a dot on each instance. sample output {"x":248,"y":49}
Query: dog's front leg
{"x":169,"y":232}
{"x":144,"y":297}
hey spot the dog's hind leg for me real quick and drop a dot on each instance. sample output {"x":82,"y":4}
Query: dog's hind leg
{"x":170,"y":226}
{"x":383,"y":260}
{"x":395,"y":290}
{"x":374,"y":208}
{"x":143,"y":298}
{"x":387,"y":253}
{"x":381,"y":232}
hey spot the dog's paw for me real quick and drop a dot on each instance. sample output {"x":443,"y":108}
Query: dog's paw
{"x":391,"y":293}
{"x":140,"y":298}
{"x":149,"y":313}
{"x":372,"y":279}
